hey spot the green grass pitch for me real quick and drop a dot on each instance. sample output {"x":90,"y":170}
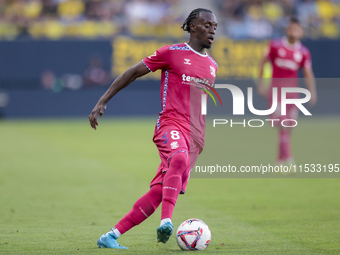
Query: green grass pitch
{"x":62,"y":185}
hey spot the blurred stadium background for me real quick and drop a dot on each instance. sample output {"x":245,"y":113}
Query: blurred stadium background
{"x":62,"y":54}
{"x":58,"y":177}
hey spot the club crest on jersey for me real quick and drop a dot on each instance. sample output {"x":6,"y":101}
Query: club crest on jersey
{"x":281,"y":52}
{"x":187,"y":61}
{"x":174,"y":145}
{"x":212,"y":71}
{"x":297,"y":56}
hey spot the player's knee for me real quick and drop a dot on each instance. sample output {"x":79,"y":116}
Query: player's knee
{"x":179,"y":161}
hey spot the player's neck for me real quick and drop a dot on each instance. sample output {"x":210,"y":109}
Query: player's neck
{"x":291,"y":41}
{"x":195,"y":45}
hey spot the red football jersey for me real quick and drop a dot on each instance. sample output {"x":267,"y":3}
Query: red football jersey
{"x":287,"y":59}
{"x":183,"y":71}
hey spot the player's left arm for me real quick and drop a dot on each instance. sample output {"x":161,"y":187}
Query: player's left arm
{"x":310,"y":83}
{"x":121,"y":82}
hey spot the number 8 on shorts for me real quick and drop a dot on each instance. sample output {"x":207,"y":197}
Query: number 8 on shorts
{"x":174,"y":135}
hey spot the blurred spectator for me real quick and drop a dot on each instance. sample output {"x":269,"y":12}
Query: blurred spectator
{"x":307,"y":12}
{"x":239,"y":19}
{"x":273,"y":11}
{"x":146,"y":11}
{"x":55,"y":19}
{"x":49,"y":8}
{"x":259,"y":28}
{"x":326,"y":9}
{"x":71,"y":9}
{"x":266,"y":19}
{"x":154,"y":17}
{"x":47,"y":79}
{"x":257,"y":24}
{"x":330,"y":29}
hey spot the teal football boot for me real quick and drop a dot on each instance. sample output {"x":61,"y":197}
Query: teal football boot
{"x":164,"y":232}
{"x":109,"y":240}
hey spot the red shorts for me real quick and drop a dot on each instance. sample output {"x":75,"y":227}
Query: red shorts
{"x":171,"y":140}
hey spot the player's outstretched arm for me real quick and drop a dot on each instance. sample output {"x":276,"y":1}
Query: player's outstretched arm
{"x":310,"y":84}
{"x":261,"y":89}
{"x":121,"y":82}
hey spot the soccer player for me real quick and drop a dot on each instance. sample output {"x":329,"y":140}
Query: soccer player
{"x":287,"y":55}
{"x":180,"y":128}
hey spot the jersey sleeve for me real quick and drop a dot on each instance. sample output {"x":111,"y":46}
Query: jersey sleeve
{"x":306,"y":60}
{"x":159,"y":60}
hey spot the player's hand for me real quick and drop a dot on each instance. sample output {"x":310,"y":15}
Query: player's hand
{"x":313,"y":99}
{"x":98,"y":109}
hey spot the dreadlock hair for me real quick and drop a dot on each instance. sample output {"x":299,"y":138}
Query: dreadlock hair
{"x":294,"y":20}
{"x":193,"y":15}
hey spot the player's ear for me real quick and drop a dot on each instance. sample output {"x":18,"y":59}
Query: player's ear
{"x":302,"y":31}
{"x":192,"y":27}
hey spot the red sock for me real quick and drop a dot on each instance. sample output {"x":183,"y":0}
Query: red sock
{"x":172,"y":183}
{"x":284,"y":145}
{"x":142,"y":209}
